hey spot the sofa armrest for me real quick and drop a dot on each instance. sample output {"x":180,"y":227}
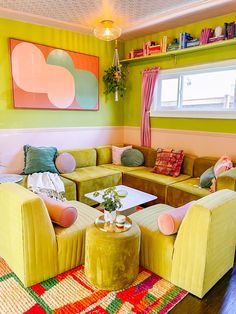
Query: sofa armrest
{"x":28,"y":242}
{"x":227,"y":180}
{"x":205,"y":244}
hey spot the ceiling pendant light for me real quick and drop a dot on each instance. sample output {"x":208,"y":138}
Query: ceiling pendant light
{"x":106,"y":30}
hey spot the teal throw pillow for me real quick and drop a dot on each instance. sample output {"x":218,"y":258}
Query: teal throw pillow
{"x":206,"y":178}
{"x":39,"y":159}
{"x":132,"y":158}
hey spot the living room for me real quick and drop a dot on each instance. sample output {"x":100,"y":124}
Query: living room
{"x":116,"y":122}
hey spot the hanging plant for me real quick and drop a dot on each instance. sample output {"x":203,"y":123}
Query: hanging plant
{"x":115,"y":80}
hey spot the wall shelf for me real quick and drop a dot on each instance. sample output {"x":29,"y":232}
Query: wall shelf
{"x":175,"y":53}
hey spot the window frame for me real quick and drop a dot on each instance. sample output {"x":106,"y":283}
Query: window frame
{"x":177,"y":72}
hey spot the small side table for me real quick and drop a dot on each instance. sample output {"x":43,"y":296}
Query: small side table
{"x":112,"y":258}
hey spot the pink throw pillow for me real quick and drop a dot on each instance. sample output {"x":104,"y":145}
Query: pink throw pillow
{"x":117,"y":152}
{"x":65,"y":163}
{"x":169,"y":222}
{"x":60,"y":212}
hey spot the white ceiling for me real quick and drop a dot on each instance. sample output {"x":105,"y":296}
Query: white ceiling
{"x":135,"y":17}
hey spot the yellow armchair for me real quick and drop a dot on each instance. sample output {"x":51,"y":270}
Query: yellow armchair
{"x":32,"y":246}
{"x":203,"y":249}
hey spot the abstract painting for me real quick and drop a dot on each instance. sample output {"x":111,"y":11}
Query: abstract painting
{"x":45,"y":77}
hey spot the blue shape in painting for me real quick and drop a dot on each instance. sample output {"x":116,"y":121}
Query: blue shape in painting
{"x":86,"y":89}
{"x":61,"y":58}
{"x":86,"y":83}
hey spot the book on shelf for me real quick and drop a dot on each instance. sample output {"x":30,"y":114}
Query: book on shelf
{"x":230,"y":30}
{"x":183,"y":39}
{"x":193,"y":43}
{"x":146,"y":46}
{"x":205,"y":34}
{"x":154,"y":49}
{"x":135,"y":53}
{"x":215,"y":39}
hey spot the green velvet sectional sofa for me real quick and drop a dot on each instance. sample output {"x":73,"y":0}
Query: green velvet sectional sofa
{"x":94,"y":171}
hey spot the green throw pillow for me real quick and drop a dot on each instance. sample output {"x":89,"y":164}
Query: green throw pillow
{"x":206,"y":177}
{"x":39,"y":159}
{"x":132,"y":158}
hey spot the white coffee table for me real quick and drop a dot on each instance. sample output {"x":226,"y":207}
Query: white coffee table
{"x":134,"y":198}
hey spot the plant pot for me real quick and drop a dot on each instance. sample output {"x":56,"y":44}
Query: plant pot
{"x":109,"y":216}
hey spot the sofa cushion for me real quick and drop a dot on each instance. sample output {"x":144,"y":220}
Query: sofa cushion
{"x":188,"y":164}
{"x":169,"y":222}
{"x":84,"y":157}
{"x":70,"y":241}
{"x":145,"y":180}
{"x":132,"y":158}
{"x":89,"y":179}
{"x":104,"y":155}
{"x":122,"y":168}
{"x":185,"y":191}
{"x":227,"y":180}
{"x":169,"y":162}
{"x":39,"y":159}
{"x":201,"y":164}
{"x":61,"y":213}
{"x":65,"y":163}
{"x":70,"y":189}
{"x":149,"y":154}
{"x":156,"y":249}
{"x":117,"y":152}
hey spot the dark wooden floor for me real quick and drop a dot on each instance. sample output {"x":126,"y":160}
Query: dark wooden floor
{"x":220,"y":299}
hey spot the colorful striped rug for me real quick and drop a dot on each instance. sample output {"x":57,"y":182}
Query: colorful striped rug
{"x":70,"y":292}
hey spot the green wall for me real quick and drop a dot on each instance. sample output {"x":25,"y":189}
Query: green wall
{"x":110,"y":113}
{"x":132,"y":101}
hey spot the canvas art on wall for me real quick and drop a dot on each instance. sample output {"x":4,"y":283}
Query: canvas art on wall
{"x":44,"y":77}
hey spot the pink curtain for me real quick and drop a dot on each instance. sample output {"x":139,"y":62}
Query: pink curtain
{"x":149,"y":77}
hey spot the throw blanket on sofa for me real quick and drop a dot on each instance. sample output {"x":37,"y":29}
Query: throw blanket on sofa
{"x":46,"y":183}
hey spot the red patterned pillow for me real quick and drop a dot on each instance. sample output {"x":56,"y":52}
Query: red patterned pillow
{"x":169,"y":162}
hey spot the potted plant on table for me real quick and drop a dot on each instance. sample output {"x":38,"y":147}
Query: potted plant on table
{"x":111,"y":202}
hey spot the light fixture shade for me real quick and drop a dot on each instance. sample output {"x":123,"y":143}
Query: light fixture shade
{"x":106,"y":31}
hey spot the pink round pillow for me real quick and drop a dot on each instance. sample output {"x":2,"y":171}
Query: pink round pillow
{"x":65,"y":163}
{"x":61,"y":213}
{"x":170,"y":221}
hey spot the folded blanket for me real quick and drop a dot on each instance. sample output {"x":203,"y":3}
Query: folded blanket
{"x":46,"y":183}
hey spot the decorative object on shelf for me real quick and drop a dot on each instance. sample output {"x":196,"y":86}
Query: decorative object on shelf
{"x":174,"y":45}
{"x":45,"y":77}
{"x":218,"y":31}
{"x":115,"y":77}
{"x":111,"y":202}
{"x":163,"y":43}
{"x":107,"y":31}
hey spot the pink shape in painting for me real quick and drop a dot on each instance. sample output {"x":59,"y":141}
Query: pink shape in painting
{"x":32,"y":74}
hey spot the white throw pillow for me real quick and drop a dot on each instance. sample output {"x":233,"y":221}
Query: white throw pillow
{"x":117,"y":152}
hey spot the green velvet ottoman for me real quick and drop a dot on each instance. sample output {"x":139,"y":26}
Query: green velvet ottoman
{"x":112,"y":259}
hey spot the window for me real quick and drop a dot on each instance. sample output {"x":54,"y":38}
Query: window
{"x":204,"y":91}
